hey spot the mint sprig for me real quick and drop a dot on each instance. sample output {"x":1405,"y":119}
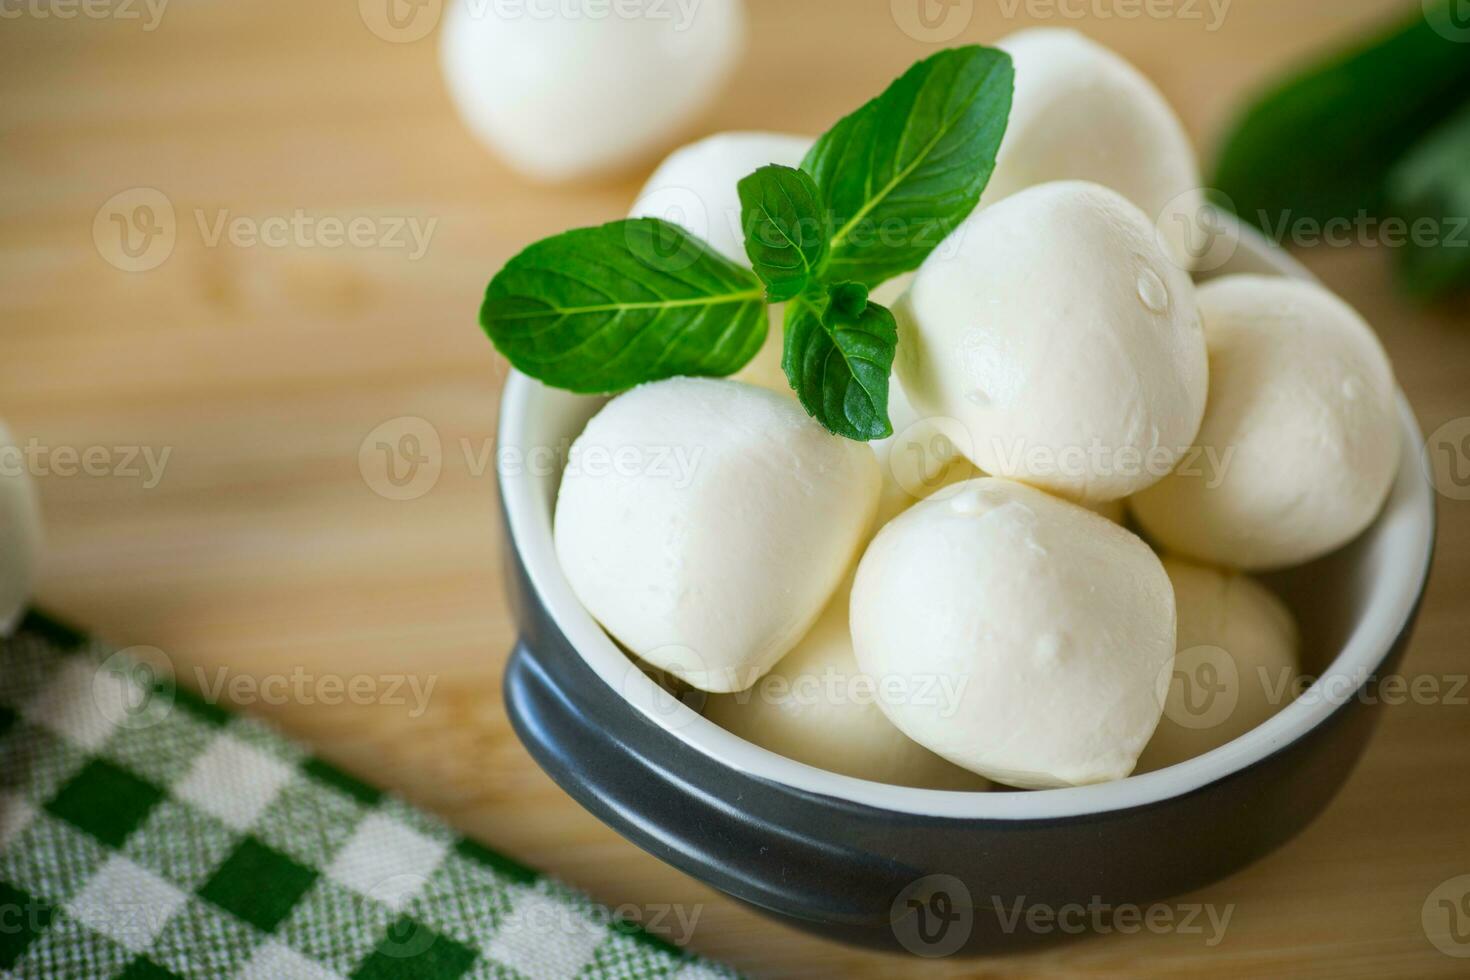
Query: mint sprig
{"x":603,"y":309}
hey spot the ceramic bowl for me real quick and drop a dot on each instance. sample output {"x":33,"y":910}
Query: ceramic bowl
{"x":929,"y":871}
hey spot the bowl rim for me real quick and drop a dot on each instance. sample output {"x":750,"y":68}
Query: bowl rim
{"x":1408,"y":514}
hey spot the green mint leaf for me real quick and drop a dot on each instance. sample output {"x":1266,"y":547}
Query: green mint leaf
{"x":846,"y":301}
{"x":1319,"y":144}
{"x":785,"y":228}
{"x":838,"y":355}
{"x":1429,"y":190}
{"x":899,"y":174}
{"x":602,"y":309}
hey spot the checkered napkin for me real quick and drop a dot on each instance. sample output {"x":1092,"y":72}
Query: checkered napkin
{"x":146,"y":833}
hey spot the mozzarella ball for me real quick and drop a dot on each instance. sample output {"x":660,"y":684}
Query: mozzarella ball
{"x":1236,"y":665}
{"x":705,"y":523}
{"x":20,"y":533}
{"x":1054,"y":628}
{"x":816,"y":707}
{"x":1080,"y":112}
{"x":695,"y":187}
{"x":1054,"y":329}
{"x":561,"y":93}
{"x":1300,"y":442}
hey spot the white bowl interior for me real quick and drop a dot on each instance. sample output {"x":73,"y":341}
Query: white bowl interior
{"x":1351,"y":605}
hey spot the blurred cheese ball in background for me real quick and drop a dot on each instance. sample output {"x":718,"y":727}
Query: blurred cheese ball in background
{"x":695,"y":188}
{"x":816,"y":707}
{"x":705,"y":523}
{"x":1300,"y":442}
{"x":1055,"y":627}
{"x":561,"y":92}
{"x":1055,"y":330}
{"x":1236,"y":665}
{"x":1080,"y":112}
{"x":20,"y":533}
{"x":695,"y":185}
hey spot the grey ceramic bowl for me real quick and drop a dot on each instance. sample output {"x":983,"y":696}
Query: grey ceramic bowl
{"x":930,"y":871}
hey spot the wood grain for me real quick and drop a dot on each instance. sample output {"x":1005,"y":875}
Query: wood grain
{"x":262,"y":370}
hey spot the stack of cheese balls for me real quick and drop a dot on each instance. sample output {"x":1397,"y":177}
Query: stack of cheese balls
{"x":964,"y":602}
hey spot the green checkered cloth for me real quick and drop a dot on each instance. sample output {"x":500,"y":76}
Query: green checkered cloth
{"x":146,"y":833}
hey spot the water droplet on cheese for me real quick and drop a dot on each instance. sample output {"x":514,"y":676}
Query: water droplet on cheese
{"x":1152,"y":292}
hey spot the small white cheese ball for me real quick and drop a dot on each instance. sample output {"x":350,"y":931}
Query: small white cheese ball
{"x":695,"y":186}
{"x":1300,"y":441}
{"x":1236,"y":664}
{"x":1054,"y":329}
{"x":562,"y":92}
{"x":816,"y":707}
{"x":1054,"y":626}
{"x":705,"y":523}
{"x":20,"y":533}
{"x":1081,"y":112}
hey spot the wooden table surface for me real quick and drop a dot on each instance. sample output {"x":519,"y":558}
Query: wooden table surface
{"x":262,"y":369}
